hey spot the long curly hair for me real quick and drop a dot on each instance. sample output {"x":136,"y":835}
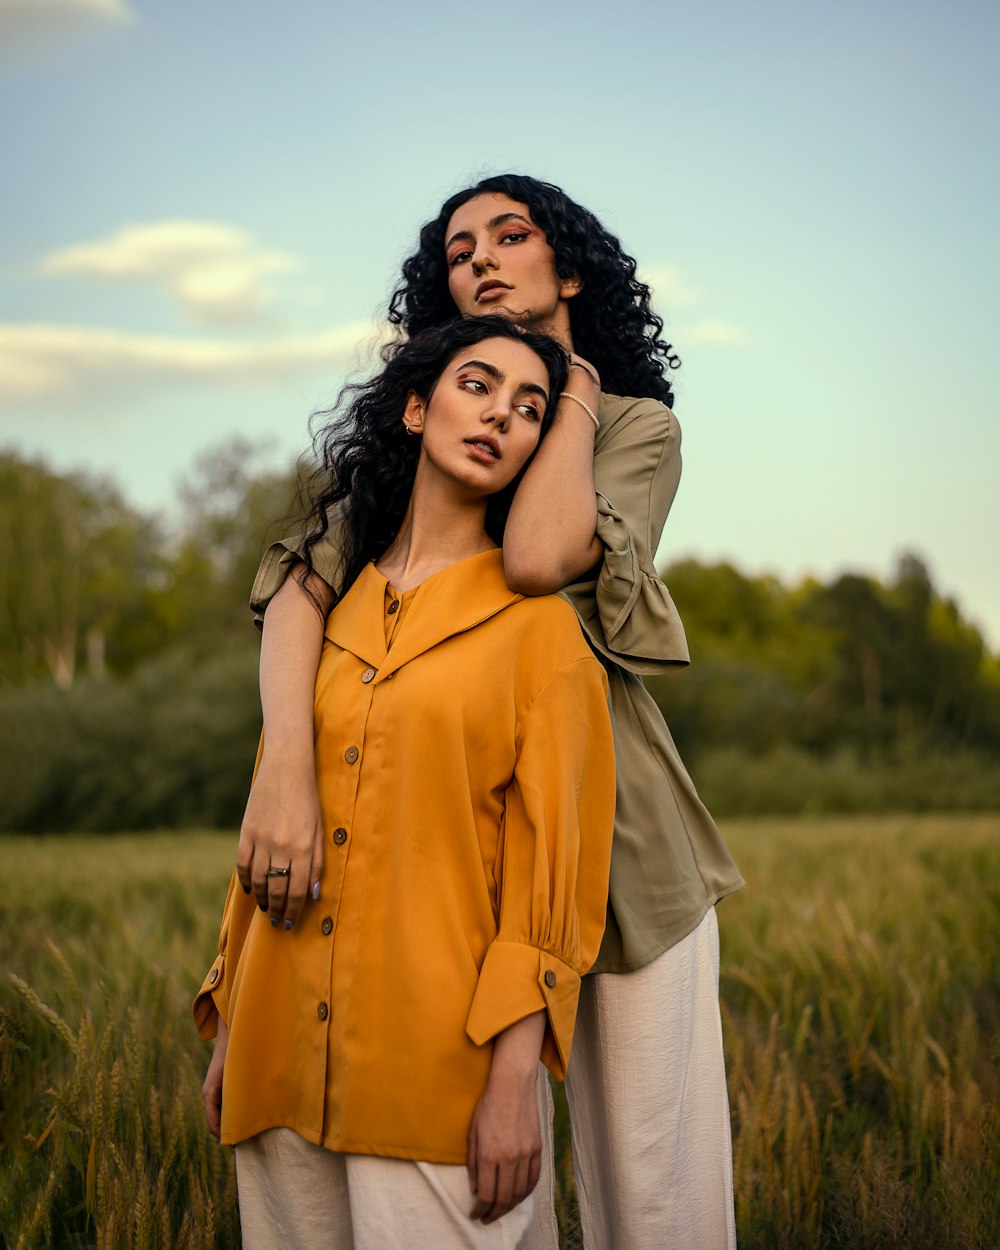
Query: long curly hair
{"x":365,"y":462}
{"x":612,"y":322}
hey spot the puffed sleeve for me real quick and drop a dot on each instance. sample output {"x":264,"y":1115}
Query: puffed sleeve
{"x":556,"y":849}
{"x":212,"y":1000}
{"x":282,"y":556}
{"x":626,"y":609}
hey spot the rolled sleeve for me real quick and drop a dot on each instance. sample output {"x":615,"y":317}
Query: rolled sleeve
{"x":516,"y":981}
{"x":626,"y":609}
{"x":211,"y":1000}
{"x":283,"y":555}
{"x":557,"y":832}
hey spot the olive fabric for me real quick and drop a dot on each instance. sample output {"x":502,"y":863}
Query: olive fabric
{"x":669,"y":863}
{"x":465,"y":767}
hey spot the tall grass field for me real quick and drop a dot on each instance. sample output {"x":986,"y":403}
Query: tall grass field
{"x":861,"y":1007}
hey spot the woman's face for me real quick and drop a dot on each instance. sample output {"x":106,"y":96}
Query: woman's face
{"x":499,"y":261}
{"x":484,"y":417}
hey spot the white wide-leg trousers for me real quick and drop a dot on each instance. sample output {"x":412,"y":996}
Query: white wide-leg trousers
{"x":297,"y":1196}
{"x":652,"y":1143}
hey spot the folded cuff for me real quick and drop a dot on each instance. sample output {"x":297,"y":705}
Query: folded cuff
{"x":279,"y":560}
{"x":636,"y":614}
{"x":517,"y":980}
{"x":211,"y":1000}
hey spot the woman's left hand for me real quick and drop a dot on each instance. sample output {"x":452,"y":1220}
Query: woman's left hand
{"x":505,"y":1142}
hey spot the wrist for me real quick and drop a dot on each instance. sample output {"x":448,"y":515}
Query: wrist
{"x":511,"y":1072}
{"x":293,"y":756}
{"x":570,"y":403}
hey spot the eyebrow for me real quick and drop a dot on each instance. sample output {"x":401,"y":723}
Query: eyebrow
{"x":532,"y":388}
{"x":490,"y":225}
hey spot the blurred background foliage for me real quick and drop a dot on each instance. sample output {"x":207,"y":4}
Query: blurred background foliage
{"x":128,"y":695}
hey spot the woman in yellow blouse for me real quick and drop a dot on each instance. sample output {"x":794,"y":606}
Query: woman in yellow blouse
{"x":647,"y":1086}
{"x":376,"y":1062}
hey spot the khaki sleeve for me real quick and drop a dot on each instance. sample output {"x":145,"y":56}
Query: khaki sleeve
{"x":283,"y":555}
{"x":556,"y":855}
{"x":627,"y":611}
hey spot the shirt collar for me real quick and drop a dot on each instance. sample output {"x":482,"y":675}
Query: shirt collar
{"x":446,"y":603}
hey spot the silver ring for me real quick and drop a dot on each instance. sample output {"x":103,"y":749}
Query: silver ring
{"x":277,"y":872}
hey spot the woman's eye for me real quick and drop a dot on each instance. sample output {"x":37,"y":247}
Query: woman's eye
{"x":458,"y":258}
{"x":529,"y":411}
{"x":475,"y":384}
{"x":515,"y":236}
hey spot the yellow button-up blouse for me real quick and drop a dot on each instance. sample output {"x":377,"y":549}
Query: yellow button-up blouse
{"x":466,"y":777}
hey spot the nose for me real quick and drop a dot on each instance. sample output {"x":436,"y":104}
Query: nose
{"x":482,"y":259}
{"x":497,"y":415}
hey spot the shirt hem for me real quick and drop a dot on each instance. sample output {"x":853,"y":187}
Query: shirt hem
{"x":662,"y":945}
{"x":385,"y":1150}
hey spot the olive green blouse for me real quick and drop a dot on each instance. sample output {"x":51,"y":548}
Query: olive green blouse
{"x":669,"y":863}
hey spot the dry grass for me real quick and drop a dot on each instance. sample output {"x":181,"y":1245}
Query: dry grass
{"x":861,"y":1000}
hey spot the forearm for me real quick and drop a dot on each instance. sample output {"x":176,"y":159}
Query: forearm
{"x":289,"y":657}
{"x":550,"y":539}
{"x":516,"y":1051}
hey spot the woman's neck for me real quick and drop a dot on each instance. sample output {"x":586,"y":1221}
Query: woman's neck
{"x":436,"y":533}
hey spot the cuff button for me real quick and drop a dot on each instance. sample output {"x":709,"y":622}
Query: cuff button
{"x":213,"y":976}
{"x":550,"y":978}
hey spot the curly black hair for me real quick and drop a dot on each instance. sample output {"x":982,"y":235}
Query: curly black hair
{"x":612,"y":322}
{"x":365,"y":462}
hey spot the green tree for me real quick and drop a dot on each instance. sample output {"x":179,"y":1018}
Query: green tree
{"x":77,"y":567}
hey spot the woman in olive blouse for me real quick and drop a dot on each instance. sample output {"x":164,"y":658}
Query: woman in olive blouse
{"x":647,"y":1089}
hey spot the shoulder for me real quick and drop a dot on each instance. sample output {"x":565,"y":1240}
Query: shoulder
{"x":548,"y":631}
{"x":636,"y":416}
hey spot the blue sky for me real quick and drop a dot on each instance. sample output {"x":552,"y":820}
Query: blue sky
{"x":204,"y":208}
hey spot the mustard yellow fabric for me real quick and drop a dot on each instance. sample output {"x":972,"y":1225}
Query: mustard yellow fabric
{"x":670,"y":862}
{"x":465,"y":766}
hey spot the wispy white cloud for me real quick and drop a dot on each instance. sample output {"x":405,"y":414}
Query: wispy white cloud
{"x":24,"y":23}
{"x":218,"y":272}
{"x":670,"y":290}
{"x":43,"y":365}
{"x":714,"y":334}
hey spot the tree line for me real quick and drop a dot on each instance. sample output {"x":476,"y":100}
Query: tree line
{"x":128,"y":666}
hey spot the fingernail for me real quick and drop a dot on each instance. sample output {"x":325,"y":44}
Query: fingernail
{"x":288,"y":924}
{"x":274,"y":922}
{"x":262,"y":906}
{"x":315,"y":891}
{"x":246,"y":889}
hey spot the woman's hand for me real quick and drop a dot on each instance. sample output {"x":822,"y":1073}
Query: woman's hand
{"x":282,"y":828}
{"x":211,"y":1089}
{"x":505,"y":1142}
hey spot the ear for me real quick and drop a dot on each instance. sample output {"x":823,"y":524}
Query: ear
{"x":568,"y":287}
{"x":413,"y":413}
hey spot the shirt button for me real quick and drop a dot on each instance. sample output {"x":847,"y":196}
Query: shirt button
{"x":340,"y":836}
{"x":351,"y":755}
{"x":394,"y":607}
{"x":322,"y":1011}
{"x":213,"y":976}
{"x":327,"y":926}
{"x":368,"y":675}
{"x":550,"y":978}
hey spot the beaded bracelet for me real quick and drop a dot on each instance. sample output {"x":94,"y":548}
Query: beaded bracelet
{"x":586,"y":407}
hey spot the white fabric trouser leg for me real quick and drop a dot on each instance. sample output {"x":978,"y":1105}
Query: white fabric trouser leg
{"x":297,"y":1196}
{"x":652,"y":1143}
